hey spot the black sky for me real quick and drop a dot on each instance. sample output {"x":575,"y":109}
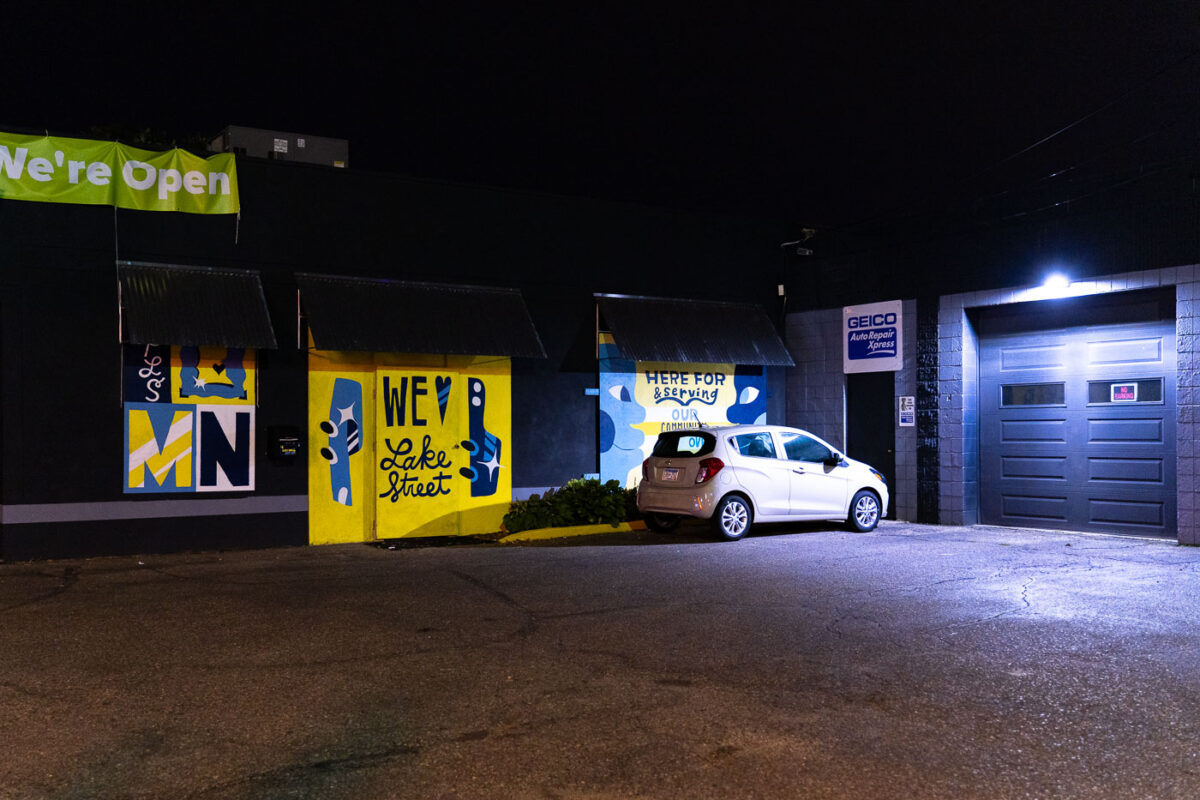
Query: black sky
{"x":820,"y":113}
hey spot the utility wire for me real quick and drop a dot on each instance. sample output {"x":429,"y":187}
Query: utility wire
{"x":885,"y":217}
{"x":1075,"y":169}
{"x":1091,"y":114}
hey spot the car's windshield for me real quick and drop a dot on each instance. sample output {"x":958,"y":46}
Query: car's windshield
{"x":676,"y":444}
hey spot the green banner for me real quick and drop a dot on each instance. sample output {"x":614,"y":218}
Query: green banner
{"x":55,"y":170}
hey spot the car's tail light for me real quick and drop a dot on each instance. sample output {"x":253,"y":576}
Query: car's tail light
{"x":646,"y":470}
{"x":708,"y":468}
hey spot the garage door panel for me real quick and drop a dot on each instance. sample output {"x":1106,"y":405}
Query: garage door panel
{"x":1033,"y":430}
{"x":1095,"y":454}
{"x":1125,"y":431}
{"x":1144,"y":514}
{"x":1017,"y":507}
{"x":1146,"y":471}
{"x":1022,"y":357}
{"x":1034,"y":467}
{"x":1126,"y":352}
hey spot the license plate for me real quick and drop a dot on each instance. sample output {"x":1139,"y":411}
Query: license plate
{"x":670,"y":474}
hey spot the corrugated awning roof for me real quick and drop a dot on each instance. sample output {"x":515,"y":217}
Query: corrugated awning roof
{"x":346,"y":313}
{"x":692,"y":331}
{"x":169,"y":304}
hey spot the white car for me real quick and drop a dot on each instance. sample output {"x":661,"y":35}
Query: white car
{"x":742,"y":474}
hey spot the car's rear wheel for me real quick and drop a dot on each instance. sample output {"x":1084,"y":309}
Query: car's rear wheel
{"x":733,"y":517}
{"x":661,"y":522}
{"x":864,"y":511}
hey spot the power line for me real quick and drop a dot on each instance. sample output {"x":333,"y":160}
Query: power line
{"x":1090,"y":114}
{"x":897,"y":215}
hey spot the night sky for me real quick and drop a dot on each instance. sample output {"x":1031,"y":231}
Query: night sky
{"x":823,"y":114}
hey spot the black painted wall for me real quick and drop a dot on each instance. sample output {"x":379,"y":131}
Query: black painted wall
{"x":61,"y":427}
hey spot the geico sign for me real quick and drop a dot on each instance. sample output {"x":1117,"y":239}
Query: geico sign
{"x":871,"y":320}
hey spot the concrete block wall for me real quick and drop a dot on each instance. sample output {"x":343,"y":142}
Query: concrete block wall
{"x":958,"y":389}
{"x":816,"y":391}
{"x":904,"y":493}
{"x":928,"y":396}
{"x":816,"y":386}
{"x":1187,"y":402}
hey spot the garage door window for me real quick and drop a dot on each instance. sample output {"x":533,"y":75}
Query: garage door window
{"x":1138,"y":390}
{"x":1032,"y":394}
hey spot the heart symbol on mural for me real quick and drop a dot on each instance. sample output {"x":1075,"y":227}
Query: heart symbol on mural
{"x":442,"y":382}
{"x":218,"y":368}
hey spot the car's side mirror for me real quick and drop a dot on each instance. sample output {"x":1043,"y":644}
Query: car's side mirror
{"x":833,"y":460}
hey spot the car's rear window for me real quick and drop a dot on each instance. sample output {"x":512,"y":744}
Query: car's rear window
{"x":678,"y":444}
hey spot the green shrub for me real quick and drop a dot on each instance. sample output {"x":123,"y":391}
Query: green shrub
{"x":580,"y":502}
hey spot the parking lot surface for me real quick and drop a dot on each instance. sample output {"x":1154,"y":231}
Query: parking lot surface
{"x":914,"y":662}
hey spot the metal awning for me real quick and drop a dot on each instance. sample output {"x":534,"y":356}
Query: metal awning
{"x":170,"y":304}
{"x":382,"y":316}
{"x":692,"y":331}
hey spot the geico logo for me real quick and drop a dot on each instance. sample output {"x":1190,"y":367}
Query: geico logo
{"x":872,"y":320}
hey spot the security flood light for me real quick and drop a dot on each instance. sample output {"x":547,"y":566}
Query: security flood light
{"x":1056,"y":280}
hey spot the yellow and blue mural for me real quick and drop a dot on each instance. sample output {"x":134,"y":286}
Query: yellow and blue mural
{"x":189,"y":419}
{"x":407,"y":445}
{"x":639,"y":400}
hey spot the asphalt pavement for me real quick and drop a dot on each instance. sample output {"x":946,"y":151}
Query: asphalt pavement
{"x":911,"y":662}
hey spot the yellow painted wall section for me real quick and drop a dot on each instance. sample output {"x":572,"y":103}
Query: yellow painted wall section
{"x":432,"y":455}
{"x":341,"y":488}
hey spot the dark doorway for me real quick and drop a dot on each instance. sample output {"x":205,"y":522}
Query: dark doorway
{"x":871,"y":425}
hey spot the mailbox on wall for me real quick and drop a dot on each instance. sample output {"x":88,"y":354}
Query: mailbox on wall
{"x":283,"y":442}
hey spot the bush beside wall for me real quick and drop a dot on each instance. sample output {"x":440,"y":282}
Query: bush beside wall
{"x":580,"y":502}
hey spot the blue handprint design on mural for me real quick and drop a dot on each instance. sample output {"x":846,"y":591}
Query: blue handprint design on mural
{"x":483,"y":446}
{"x":750,"y":407}
{"x":344,"y":429}
{"x":229,"y":375}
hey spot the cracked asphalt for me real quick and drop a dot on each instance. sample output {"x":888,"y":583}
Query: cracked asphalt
{"x":912,"y":662}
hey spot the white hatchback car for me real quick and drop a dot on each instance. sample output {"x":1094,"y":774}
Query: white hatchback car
{"x":743,"y":474}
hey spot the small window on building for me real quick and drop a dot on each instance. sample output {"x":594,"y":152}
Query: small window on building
{"x":1032,"y":394}
{"x":1136,"y":390}
{"x":804,"y":448}
{"x":755,"y":445}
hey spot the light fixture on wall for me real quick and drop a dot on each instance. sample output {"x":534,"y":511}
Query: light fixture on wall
{"x":1057,"y":280}
{"x":1055,"y":285}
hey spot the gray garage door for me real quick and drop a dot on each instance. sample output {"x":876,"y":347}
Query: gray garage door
{"x":1077,"y":428}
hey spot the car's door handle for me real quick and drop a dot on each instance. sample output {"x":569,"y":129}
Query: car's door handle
{"x":798,"y":471}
